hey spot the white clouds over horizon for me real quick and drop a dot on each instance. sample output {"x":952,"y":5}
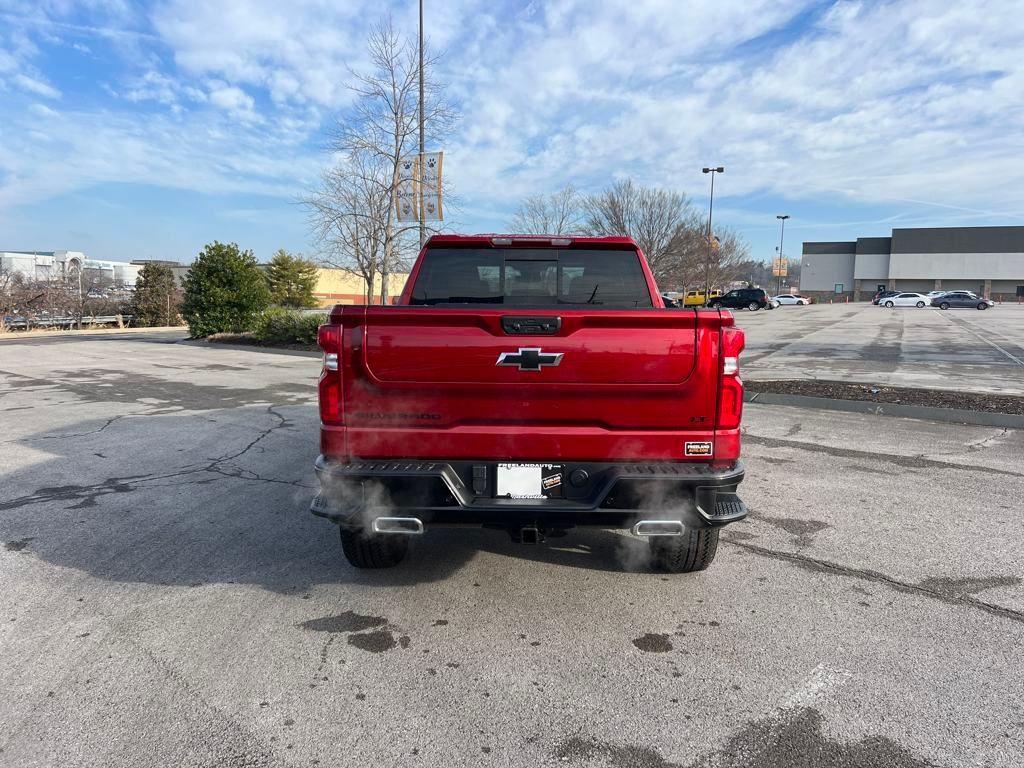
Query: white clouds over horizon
{"x":861,"y":103}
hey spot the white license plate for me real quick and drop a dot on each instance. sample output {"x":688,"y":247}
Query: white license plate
{"x":520,"y":481}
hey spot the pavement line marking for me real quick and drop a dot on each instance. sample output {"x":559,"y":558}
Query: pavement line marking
{"x":821,"y":680}
{"x":967,"y":328}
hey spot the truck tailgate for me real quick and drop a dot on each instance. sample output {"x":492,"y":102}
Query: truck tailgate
{"x":429,"y":382}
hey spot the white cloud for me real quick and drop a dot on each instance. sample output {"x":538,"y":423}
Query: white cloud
{"x":874,"y":103}
{"x":36,"y":86}
{"x":231,"y":98}
{"x":867,"y":102}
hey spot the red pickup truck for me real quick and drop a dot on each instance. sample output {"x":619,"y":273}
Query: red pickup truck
{"x":530,"y":384}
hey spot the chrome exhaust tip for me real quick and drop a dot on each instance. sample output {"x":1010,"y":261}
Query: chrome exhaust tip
{"x":658,"y":528}
{"x":406,"y":525}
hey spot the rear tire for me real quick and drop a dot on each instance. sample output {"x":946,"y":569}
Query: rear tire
{"x":373,"y":550}
{"x":715,"y":305}
{"x":943,"y":305}
{"x":693,"y":551}
{"x":753,"y":306}
{"x":889,"y":305}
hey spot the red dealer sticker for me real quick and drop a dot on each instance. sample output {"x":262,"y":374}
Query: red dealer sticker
{"x":702,"y":448}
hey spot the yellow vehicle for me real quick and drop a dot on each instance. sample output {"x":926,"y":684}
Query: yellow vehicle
{"x":696,"y":298}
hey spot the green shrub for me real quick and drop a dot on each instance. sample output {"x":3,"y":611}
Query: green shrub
{"x":224,"y":291}
{"x":291,"y":280}
{"x":286,"y":326}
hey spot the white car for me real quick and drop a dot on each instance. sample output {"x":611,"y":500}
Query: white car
{"x":933,"y":294}
{"x":792,"y":298}
{"x":906,"y":300}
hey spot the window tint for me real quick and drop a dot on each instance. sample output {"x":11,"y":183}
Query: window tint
{"x":526,"y":277}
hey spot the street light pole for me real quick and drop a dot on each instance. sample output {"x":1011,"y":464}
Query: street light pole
{"x":781,"y":217}
{"x":711,"y":207}
{"x":423,"y":224}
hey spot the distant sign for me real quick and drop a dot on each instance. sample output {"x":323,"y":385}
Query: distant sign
{"x":405,"y":192}
{"x":780,"y":267}
{"x":430,"y":179}
{"x":419,"y":192}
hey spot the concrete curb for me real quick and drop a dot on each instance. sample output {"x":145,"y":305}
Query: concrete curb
{"x":250,"y":348}
{"x":29,"y":335}
{"x":948,"y":415}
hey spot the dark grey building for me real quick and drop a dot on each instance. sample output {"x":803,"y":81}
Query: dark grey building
{"x":986,"y":260}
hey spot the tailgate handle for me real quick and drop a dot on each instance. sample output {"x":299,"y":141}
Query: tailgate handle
{"x":517,"y":325}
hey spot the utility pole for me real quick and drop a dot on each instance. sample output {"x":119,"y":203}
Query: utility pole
{"x":781,"y":217}
{"x":423,"y":223}
{"x":711,"y":207}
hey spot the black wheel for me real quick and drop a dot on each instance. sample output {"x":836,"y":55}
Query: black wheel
{"x":920,"y":304}
{"x":694,"y":550}
{"x":753,"y":306}
{"x":944,"y":305}
{"x":373,"y":550}
{"x":715,"y":305}
{"x":889,"y":305}
{"x":982,"y":305}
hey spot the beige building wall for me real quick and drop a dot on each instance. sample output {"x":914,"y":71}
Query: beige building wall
{"x":338,"y":286}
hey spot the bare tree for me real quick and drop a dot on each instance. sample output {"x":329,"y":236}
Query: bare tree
{"x":560,"y":213}
{"x":348,"y":215}
{"x":661,"y":221}
{"x":670,"y":232}
{"x":728,"y":258}
{"x":7,"y":276}
{"x":353,"y":210}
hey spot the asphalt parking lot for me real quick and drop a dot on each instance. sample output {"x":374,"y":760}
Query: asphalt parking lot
{"x":904,"y":346}
{"x":167,"y":598}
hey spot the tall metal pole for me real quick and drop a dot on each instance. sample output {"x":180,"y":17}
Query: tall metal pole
{"x":782,"y":237}
{"x":423,"y":224}
{"x":711,"y":208}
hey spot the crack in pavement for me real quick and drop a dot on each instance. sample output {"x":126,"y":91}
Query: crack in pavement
{"x":981,"y":444}
{"x":106,"y":424}
{"x":911,"y":462}
{"x":924,"y":589}
{"x":86,"y":495}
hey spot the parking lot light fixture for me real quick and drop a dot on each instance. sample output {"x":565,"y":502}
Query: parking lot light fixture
{"x":711,"y":207}
{"x":781,"y":217}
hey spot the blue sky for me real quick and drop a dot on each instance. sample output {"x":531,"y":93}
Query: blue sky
{"x":134,"y":130}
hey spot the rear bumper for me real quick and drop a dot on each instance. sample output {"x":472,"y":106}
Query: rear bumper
{"x":611,"y":495}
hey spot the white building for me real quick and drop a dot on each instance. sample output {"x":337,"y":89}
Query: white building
{"x":43,"y":265}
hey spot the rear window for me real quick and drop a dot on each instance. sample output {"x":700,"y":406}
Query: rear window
{"x":532,"y":277}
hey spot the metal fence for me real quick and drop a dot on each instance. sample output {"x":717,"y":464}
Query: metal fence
{"x":68,"y":322}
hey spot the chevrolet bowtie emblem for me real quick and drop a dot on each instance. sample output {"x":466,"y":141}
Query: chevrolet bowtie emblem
{"x":529,"y":358}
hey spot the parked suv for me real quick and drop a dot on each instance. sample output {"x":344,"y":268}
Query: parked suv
{"x":749,"y":298}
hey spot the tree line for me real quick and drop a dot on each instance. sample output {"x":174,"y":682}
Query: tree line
{"x":666,"y":225}
{"x":224,"y":291}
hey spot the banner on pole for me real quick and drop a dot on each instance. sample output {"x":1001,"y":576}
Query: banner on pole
{"x":431,"y":191}
{"x":406,"y":199}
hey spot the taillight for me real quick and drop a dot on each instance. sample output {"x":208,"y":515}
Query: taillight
{"x":730,"y":402}
{"x":328,"y":338}
{"x":733,"y":341}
